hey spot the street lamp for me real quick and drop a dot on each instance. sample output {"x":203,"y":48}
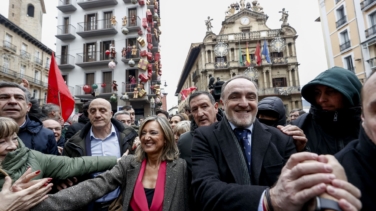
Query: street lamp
{"x":152,"y":105}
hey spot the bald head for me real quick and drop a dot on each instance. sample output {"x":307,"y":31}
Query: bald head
{"x":100,"y":101}
{"x":369,"y":107}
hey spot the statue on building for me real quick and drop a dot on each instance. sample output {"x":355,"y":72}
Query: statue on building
{"x":113,"y":20}
{"x":284,"y":17}
{"x":208,"y":24}
{"x":125,"y":20}
{"x":242,"y":4}
{"x":114,"y":86}
{"x":211,"y":82}
{"x":248,"y":5}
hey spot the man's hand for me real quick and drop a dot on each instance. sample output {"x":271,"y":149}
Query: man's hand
{"x":136,"y":143}
{"x":25,"y":83}
{"x":60,"y":149}
{"x":66,"y":183}
{"x":301,"y":181}
{"x":300,"y":139}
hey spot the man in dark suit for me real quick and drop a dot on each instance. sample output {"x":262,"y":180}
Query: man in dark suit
{"x":232,"y":172}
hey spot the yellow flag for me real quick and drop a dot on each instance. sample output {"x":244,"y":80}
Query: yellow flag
{"x":248,"y":58}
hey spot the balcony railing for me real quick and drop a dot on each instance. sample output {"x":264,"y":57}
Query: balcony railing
{"x":17,"y":75}
{"x":370,"y":31}
{"x":279,"y":90}
{"x":249,"y":35}
{"x":372,"y":62}
{"x":38,"y":61}
{"x":345,"y":46}
{"x":25,"y":55}
{"x":134,"y":24}
{"x":65,"y":61}
{"x":9,"y":46}
{"x":93,"y":59}
{"x":367,"y":4}
{"x":96,"y":28}
{"x":220,"y":65}
{"x":66,"y":6}
{"x":66,"y":32}
{"x":88,"y":4}
{"x":127,"y":55}
{"x":103,"y":88}
{"x":341,"y":21}
{"x":278,"y":60}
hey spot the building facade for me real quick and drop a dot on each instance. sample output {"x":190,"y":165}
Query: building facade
{"x":22,"y":56}
{"x":349,"y":29}
{"x":110,"y":49}
{"x":28,"y":14}
{"x":234,"y":52}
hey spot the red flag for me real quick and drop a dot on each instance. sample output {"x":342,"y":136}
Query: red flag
{"x":258,"y":54}
{"x":185,"y":92}
{"x":58,"y":92}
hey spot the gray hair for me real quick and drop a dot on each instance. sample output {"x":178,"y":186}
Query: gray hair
{"x":121,"y":113}
{"x":182,"y":127}
{"x":198,"y":93}
{"x":15,"y":85}
{"x":234,"y":78}
{"x":170,"y":149}
{"x":49,"y":108}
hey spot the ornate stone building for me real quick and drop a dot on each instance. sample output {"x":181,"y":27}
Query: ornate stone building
{"x":246,"y":45}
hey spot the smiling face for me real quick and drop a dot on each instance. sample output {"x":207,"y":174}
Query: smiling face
{"x":328,"y":98}
{"x":13,"y":104}
{"x":54,"y":126}
{"x":100,"y":114}
{"x":152,"y":139}
{"x":8,"y":144}
{"x":203,"y":111}
{"x":369,"y":108}
{"x":240,"y":102}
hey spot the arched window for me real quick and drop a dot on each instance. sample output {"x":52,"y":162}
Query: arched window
{"x":30,"y":10}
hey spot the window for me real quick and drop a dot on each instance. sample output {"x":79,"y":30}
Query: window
{"x":251,"y":57}
{"x":130,"y":43}
{"x":6,"y":64}
{"x":279,"y":82}
{"x":220,"y":62}
{"x":66,"y":25}
{"x":349,"y":63}
{"x":47,"y":62}
{"x":65,"y":78}
{"x":22,"y":70}
{"x":107,"y":79}
{"x":341,"y":16}
{"x":90,"y":53}
{"x":64,"y":55}
{"x":132,"y":14}
{"x":131,"y":72}
{"x":8,"y":41}
{"x":36,"y":76}
{"x":30,"y":10}
{"x":107,"y":20}
{"x":89,"y":79}
{"x":372,"y":19}
{"x":24,"y":47}
{"x":345,"y":41}
{"x":90,"y":22}
{"x":105,"y":45}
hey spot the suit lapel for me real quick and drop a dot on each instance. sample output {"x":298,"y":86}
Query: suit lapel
{"x":132,"y":174}
{"x":170,"y":184}
{"x":260,"y":142}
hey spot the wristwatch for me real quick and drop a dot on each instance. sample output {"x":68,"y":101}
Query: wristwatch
{"x":323,"y":204}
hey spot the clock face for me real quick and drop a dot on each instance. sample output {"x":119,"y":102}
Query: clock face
{"x":221,"y":49}
{"x":244,"y":21}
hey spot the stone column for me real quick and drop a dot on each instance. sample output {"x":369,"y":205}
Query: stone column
{"x":290,"y":78}
{"x":270,"y":79}
{"x":293,"y":49}
{"x":264,"y":76}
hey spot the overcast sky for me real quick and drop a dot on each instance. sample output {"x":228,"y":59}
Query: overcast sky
{"x":183,"y":23}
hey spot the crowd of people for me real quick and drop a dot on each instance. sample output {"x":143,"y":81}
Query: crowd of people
{"x":236,"y":154}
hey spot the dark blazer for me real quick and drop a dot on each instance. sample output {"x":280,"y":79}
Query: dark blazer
{"x":220,"y":176}
{"x":124,"y":174}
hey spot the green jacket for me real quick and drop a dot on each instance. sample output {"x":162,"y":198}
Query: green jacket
{"x":57,"y":167}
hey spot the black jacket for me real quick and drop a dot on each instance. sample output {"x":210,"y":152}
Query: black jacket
{"x":36,"y":137}
{"x":330,"y":131}
{"x":274,"y":104}
{"x":358,"y":159}
{"x":220,"y":176}
{"x":74,"y":128}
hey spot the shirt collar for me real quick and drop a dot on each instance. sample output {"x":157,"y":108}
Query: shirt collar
{"x":113,"y":131}
{"x":250,"y":128}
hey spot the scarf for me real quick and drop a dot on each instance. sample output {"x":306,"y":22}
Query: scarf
{"x":139,"y":201}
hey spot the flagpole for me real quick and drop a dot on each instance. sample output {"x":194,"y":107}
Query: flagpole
{"x":61,"y":111}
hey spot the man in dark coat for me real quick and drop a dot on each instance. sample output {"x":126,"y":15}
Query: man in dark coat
{"x":83,"y":119}
{"x":233,"y":173}
{"x":15,"y":104}
{"x":334,"y":118}
{"x":358,"y":158}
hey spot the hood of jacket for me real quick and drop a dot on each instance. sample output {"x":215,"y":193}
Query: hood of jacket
{"x":339,"y":79}
{"x":83,"y":119}
{"x":274,"y":104}
{"x":219,"y":118}
{"x":32,"y":124}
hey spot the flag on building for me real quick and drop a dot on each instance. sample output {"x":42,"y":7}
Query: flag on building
{"x":265,"y":52}
{"x":241,"y":63}
{"x":248,"y":62}
{"x":186,"y":92}
{"x":258,"y":54}
{"x":58,"y":92}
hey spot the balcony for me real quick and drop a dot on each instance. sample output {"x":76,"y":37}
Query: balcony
{"x":89,"y":4}
{"x":341,"y":21}
{"x":65,"y":62}
{"x":66,"y":32}
{"x":9,"y":46}
{"x":370,"y":31}
{"x":16,"y":75}
{"x":278,"y":60}
{"x":364,"y":5}
{"x":279,"y":91}
{"x":66,"y":6}
{"x":25,"y":55}
{"x":221,"y":65}
{"x":134,"y":25}
{"x":249,"y":35}
{"x":101,"y":92}
{"x":38,"y":61}
{"x":345,"y":46}
{"x":93,"y":59}
{"x":195,"y":75}
{"x":96,"y":28}
{"x":372,"y":63}
{"x":128,"y":56}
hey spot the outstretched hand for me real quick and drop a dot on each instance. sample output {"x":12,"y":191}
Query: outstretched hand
{"x":300,"y":139}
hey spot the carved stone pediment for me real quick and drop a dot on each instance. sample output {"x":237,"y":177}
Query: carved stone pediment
{"x":255,"y":15}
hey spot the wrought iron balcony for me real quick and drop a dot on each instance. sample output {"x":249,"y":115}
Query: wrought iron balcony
{"x":93,"y":59}
{"x":372,"y":63}
{"x":134,"y":24}
{"x":367,"y":4}
{"x":66,"y":6}
{"x":341,"y":21}
{"x":9,"y":46}
{"x":370,"y":31}
{"x":345,"y":46}
{"x":278,"y":60}
{"x":249,"y":35}
{"x":65,"y":61}
{"x":16,"y":75}
{"x":96,"y":28}
{"x":279,"y":91}
{"x":38,"y":61}
{"x":88,"y":4}
{"x":66,"y":32}
{"x":128,"y":55}
{"x":25,"y":55}
{"x":221,"y":65}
